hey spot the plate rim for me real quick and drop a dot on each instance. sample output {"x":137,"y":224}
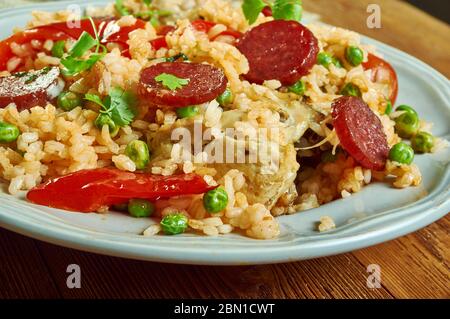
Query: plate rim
{"x":436,"y":205}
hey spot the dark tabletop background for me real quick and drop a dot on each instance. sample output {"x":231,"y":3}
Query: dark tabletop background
{"x":438,"y":8}
{"x":413,"y":266}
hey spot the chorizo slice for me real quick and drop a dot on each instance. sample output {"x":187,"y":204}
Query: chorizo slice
{"x":360,"y":132}
{"x":202,"y":83}
{"x":279,"y":50}
{"x":29,"y":89}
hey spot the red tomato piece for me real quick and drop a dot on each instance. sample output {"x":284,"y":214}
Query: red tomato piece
{"x":159,"y":43}
{"x":383,"y":72}
{"x":41,"y":33}
{"x":92,"y":190}
{"x":206,"y":26}
{"x":360,"y":132}
{"x":122,"y":35}
{"x":202,"y":25}
{"x":165,"y":29}
{"x":63,"y":31}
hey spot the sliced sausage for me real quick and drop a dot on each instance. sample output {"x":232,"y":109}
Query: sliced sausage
{"x":360,"y":132}
{"x":279,"y":50}
{"x":206,"y":83}
{"x":29,"y":89}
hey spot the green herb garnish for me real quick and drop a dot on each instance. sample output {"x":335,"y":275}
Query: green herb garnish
{"x":281,"y":9}
{"x":252,"y":9}
{"x":171,"y":81}
{"x":20,"y":74}
{"x":74,"y":63}
{"x":119,"y":105}
{"x":84,"y":44}
{"x":31,"y":78}
{"x":58,"y":49}
{"x":45,"y":70}
{"x":287,"y":10}
{"x":177,"y":57}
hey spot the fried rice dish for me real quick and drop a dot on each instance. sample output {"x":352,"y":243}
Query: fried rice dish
{"x":209,"y":116}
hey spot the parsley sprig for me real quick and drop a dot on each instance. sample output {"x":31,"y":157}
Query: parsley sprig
{"x":171,"y":81}
{"x":281,"y":9}
{"x":74,"y":63}
{"x":119,"y":105}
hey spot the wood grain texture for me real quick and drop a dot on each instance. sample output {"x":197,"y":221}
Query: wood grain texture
{"x":402,"y":26}
{"x":414,"y":266}
{"x":23,"y":271}
{"x":108,"y":277}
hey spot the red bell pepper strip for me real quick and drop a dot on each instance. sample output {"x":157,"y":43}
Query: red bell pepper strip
{"x":62,"y":31}
{"x":159,"y":43}
{"x":92,"y":190}
{"x":383,"y":72}
{"x":165,"y":29}
{"x":205,"y":26}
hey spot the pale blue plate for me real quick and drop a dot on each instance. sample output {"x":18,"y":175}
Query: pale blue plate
{"x":377,"y":214}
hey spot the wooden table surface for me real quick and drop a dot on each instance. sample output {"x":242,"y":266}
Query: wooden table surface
{"x":414,"y":266}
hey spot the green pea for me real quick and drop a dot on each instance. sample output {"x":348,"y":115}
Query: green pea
{"x":103,"y":119}
{"x":388,"y":109}
{"x":139,"y":153}
{"x":351,"y":90}
{"x":140,"y":208}
{"x":401,"y":153}
{"x":215,"y":200}
{"x":422,"y":142}
{"x":188,"y":111}
{"x":8,"y":132}
{"x":225,"y":98}
{"x":407,"y":108}
{"x":174,"y":224}
{"x":407,"y":124}
{"x":354,"y":55}
{"x":69,"y":100}
{"x":324,"y":59}
{"x":58,"y":49}
{"x":298,"y":88}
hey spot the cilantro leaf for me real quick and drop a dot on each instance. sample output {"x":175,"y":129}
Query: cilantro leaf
{"x":287,"y":10}
{"x":252,"y":9}
{"x":96,"y":99}
{"x":123,"y":106}
{"x":171,"y":81}
{"x":119,"y":105}
{"x":121,"y":9}
{"x":148,"y":2}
